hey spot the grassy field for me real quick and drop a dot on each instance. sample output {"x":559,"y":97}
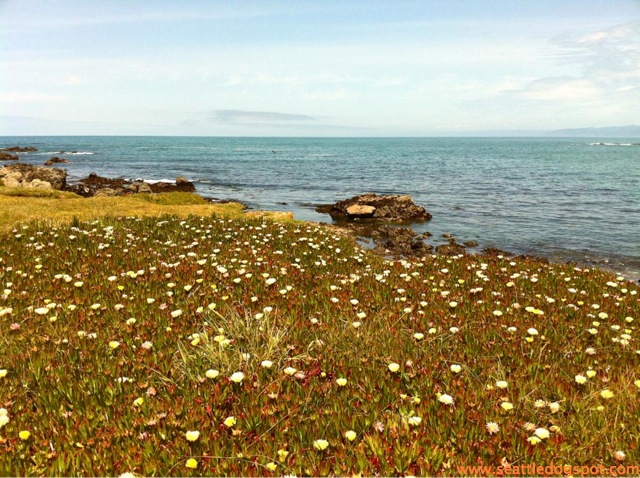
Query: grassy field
{"x":212,"y":345}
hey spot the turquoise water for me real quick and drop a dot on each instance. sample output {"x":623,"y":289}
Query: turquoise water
{"x":563,"y":198}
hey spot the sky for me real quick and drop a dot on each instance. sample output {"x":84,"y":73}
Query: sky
{"x":317,"y":68}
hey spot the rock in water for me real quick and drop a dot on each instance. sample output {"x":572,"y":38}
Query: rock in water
{"x":393,"y":208}
{"x":55,"y":160}
{"x":18,"y":149}
{"x":4,"y":156}
{"x":23,"y":175}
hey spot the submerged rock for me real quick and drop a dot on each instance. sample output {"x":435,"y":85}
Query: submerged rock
{"x":4,"y":156}
{"x":18,"y":149}
{"x":392,"y":208}
{"x":55,"y":160}
{"x":30,"y":176}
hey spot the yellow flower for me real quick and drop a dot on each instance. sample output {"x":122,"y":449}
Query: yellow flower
{"x":541,"y":433}
{"x":446,"y":399}
{"x":320,"y":444}
{"x":455,"y":368}
{"x":341,"y":382}
{"x":237,"y":377}
{"x":138,"y":401}
{"x":502,"y":384}
{"x":114,"y":344}
{"x":591,"y":373}
{"x":192,"y":435}
{"x":191,"y":463}
{"x":282,"y":455}
{"x":230,"y":421}
{"x":350,"y":435}
{"x":211,"y":373}
{"x":506,"y":406}
{"x":580,"y":379}
{"x":271,"y":466}
{"x":3,"y":373}
{"x":534,"y":440}
{"x":415,"y":421}
{"x":418,"y":336}
{"x":24,"y":435}
{"x":394,"y":367}
{"x":606,"y":394}
{"x":637,"y":383}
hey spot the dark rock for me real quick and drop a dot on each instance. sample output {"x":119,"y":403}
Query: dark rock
{"x":81,"y":190}
{"x":426,"y":234}
{"x":389,"y":240}
{"x":8,"y":156}
{"x":18,"y":149}
{"x":90,"y":185}
{"x":181,"y":185}
{"x":471,"y":244}
{"x":451,"y":249}
{"x":377,"y":207}
{"x":447,"y":235}
{"x":494,"y":252}
{"x":55,"y":160}
{"x":26,"y":175}
{"x":108,"y":192}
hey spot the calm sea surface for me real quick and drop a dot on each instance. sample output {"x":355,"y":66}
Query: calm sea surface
{"x":566,"y":198}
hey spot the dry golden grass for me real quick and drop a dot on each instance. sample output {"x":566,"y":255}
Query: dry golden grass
{"x":19,"y":205}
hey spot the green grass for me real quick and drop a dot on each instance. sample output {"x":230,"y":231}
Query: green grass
{"x":192,"y":301}
{"x":20,"y":205}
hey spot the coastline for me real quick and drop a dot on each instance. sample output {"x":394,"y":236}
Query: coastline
{"x":451,"y":216}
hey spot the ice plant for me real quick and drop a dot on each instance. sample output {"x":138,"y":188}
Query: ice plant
{"x":446,"y":399}
{"x":3,"y":372}
{"x":606,"y":394}
{"x":350,"y":435}
{"x":394,"y":367}
{"x":191,"y":463}
{"x":237,"y":377}
{"x":492,"y":428}
{"x":580,"y":379}
{"x":414,"y":420}
{"x":114,"y":344}
{"x":541,"y":433}
{"x":341,"y":382}
{"x":192,"y":435}
{"x":320,"y":444}
{"x":211,"y":373}
{"x":24,"y":435}
{"x":506,"y":406}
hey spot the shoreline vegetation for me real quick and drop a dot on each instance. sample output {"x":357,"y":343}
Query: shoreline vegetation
{"x":159,"y":334}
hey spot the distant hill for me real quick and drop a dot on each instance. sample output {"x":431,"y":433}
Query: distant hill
{"x":631,"y":131}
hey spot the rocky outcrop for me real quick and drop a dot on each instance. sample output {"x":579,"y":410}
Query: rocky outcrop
{"x":451,"y":249}
{"x":18,"y":149}
{"x":94,"y":185}
{"x":389,"y":241}
{"x":391,"y":208}
{"x":4,"y":156}
{"x":55,"y":160}
{"x":29,"y":176}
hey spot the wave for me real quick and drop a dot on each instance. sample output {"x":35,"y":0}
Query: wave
{"x":152,"y":181}
{"x":614,"y":144}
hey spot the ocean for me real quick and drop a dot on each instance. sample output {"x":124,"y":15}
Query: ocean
{"x":568,"y":199}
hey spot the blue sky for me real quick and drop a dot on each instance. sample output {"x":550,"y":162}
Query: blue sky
{"x":317,"y":68}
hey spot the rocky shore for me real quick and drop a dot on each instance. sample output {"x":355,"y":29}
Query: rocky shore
{"x":19,"y":175}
